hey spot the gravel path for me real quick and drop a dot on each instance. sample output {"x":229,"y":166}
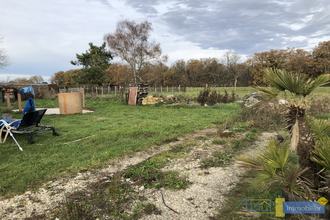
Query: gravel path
{"x":206,"y":194}
{"x":200,"y":200}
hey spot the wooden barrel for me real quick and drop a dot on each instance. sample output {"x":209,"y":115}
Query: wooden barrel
{"x":70,"y":103}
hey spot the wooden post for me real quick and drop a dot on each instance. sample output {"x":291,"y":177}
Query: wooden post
{"x":96,"y":92}
{"x":179,"y":88}
{"x":115,"y":90}
{"x":109,"y":92}
{"x":8,"y":101}
{"x":167,"y":88}
{"x":161,"y":89}
{"x":19,"y":97}
{"x":102,"y":91}
{"x":83,"y":97}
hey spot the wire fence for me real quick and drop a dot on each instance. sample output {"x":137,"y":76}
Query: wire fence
{"x":119,"y":90}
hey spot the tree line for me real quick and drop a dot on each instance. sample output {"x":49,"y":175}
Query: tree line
{"x":143,"y":62}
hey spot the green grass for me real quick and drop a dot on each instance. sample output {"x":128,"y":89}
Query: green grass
{"x":218,"y":159}
{"x":149,"y":174}
{"x":194,"y":91}
{"x":90,"y":140}
{"x":241,"y":91}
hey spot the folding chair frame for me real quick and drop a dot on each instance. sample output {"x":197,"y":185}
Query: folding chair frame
{"x":30,"y":124}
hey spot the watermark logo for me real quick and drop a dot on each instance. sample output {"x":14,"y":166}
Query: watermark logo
{"x":280,"y":207}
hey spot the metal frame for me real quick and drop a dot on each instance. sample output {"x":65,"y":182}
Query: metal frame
{"x":30,"y":124}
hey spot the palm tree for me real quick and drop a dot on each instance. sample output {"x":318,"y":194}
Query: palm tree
{"x":295,"y":87}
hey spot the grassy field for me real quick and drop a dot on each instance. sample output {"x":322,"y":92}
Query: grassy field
{"x":89,"y":140}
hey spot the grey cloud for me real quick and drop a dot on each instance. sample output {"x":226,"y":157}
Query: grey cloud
{"x":144,"y":6}
{"x":244,"y":26}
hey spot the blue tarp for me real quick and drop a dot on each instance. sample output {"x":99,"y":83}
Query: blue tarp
{"x":29,"y":107}
{"x":26,"y":90}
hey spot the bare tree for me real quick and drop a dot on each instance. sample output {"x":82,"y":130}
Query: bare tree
{"x":230,"y":60}
{"x":131,"y":43}
{"x":3,"y":56}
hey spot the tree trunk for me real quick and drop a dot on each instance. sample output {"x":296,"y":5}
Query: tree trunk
{"x":305,"y":144}
{"x":235,"y":85}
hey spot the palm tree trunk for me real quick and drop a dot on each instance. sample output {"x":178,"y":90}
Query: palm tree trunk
{"x":305,"y":144}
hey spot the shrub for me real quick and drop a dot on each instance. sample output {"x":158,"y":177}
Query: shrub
{"x":211,"y":97}
{"x":203,"y":96}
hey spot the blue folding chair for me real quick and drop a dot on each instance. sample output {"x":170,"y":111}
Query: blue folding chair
{"x":29,"y":124}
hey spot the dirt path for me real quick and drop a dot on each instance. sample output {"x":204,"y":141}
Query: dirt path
{"x":199,"y":201}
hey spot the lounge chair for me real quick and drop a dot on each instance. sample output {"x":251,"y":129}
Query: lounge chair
{"x":30,"y":124}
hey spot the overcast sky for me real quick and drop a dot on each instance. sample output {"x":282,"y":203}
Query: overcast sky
{"x":42,"y":36}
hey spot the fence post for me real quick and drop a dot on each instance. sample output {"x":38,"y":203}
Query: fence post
{"x":167,"y":88}
{"x":8,"y":101}
{"x":161,"y":89}
{"x":115,"y":90}
{"x":83,"y":96}
{"x":102,"y":91}
{"x":19,"y":97}
{"x":179,"y":88}
{"x":109,"y":90}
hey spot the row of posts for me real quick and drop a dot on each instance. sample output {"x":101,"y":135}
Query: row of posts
{"x":19,"y":98}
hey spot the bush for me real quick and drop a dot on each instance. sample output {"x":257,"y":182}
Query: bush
{"x":203,"y":96}
{"x":211,"y":97}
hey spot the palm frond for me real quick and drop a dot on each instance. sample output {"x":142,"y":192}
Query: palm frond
{"x":322,"y":153}
{"x":319,"y":127}
{"x":268,"y":91}
{"x":297,"y":83}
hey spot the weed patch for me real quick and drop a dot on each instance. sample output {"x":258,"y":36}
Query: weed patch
{"x":113,"y":199}
{"x":263,"y":116}
{"x":219,"y":141}
{"x":149,"y":175}
{"x":218,"y":159}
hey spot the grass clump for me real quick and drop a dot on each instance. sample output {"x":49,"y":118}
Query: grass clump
{"x":218,"y":159}
{"x":219,"y":141}
{"x":149,"y":175}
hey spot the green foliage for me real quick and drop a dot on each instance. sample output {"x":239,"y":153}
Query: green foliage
{"x":271,"y":162}
{"x":298,"y":84}
{"x":148,"y":174}
{"x":248,"y":187}
{"x":322,"y":153}
{"x":319,"y":127}
{"x":275,"y":165}
{"x":219,"y":141}
{"x":218,"y":159}
{"x":95,"y":61}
